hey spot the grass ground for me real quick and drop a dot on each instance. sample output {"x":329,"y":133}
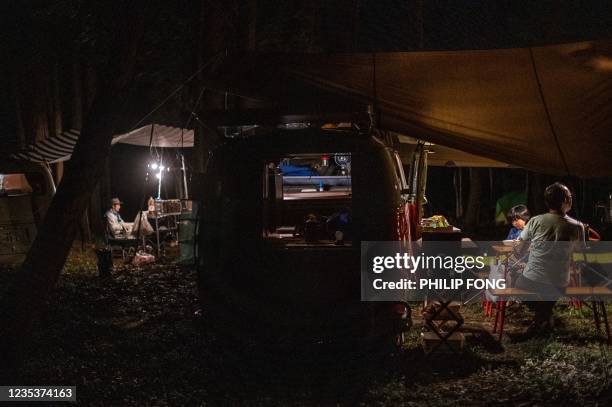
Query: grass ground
{"x":134,"y":340}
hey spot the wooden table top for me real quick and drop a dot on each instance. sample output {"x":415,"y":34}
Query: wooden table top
{"x":510,"y":292}
{"x":586,"y":291}
{"x":502,"y":249}
{"x":569,"y":291}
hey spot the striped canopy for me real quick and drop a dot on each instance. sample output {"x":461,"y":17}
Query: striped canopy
{"x":59,"y":148}
{"x":51,"y":150}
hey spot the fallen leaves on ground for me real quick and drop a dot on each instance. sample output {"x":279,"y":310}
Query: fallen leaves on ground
{"x":134,"y":339}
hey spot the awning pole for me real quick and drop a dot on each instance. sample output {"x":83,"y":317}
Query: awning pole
{"x":184,"y":176}
{"x":159,"y":180}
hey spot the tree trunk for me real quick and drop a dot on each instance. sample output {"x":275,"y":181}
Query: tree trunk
{"x":45,"y":260}
{"x":40,"y":110}
{"x":199,"y":151}
{"x":252,"y":35}
{"x":16,"y":94}
{"x":474,"y":199}
{"x":77,"y":123}
{"x":94,"y":211}
{"x":535,"y":193}
{"x":82,"y":90}
{"x":458,"y":184}
{"x":420,"y":24}
{"x":55,"y":113}
{"x":77,"y":94}
{"x":355,"y":24}
{"x":209,"y":42}
{"x":56,"y":103}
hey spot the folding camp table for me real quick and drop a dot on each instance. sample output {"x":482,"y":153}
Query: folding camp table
{"x":439,"y":316}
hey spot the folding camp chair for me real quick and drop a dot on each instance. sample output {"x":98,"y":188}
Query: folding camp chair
{"x":126,"y":247}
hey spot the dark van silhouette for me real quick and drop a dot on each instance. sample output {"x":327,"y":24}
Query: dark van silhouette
{"x":282,"y":220}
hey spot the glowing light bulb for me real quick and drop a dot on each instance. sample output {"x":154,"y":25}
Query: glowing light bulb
{"x":154,"y":166}
{"x":158,"y":176}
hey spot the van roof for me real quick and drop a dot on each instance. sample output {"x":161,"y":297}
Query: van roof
{"x":302,"y":141}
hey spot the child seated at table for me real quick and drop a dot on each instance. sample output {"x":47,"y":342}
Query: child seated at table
{"x":514,"y":264}
{"x":518,"y":216}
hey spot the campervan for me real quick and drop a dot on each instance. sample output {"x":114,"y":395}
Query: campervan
{"x":280,"y":229}
{"x":26,"y":190}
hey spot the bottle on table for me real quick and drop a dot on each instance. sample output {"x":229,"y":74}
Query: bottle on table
{"x":151,"y":205}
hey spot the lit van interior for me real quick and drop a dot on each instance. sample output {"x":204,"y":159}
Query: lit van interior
{"x":307,"y":200}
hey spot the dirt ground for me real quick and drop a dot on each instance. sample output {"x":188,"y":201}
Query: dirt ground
{"x":134,"y":340}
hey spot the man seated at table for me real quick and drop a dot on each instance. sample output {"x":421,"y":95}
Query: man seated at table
{"x":553,"y":236}
{"x":117,"y":228}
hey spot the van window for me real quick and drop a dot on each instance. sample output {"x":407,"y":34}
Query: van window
{"x":308,"y":199}
{"x":399,"y":171}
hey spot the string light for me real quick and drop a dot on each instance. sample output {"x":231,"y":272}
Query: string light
{"x":159,"y":168}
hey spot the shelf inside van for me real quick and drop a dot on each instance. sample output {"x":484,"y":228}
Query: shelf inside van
{"x":289,"y":196}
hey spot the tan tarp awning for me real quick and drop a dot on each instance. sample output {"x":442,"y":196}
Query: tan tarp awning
{"x":547,"y":109}
{"x":442,"y":156}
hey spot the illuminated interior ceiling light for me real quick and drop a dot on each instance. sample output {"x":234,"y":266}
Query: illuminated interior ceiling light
{"x":294,"y":126}
{"x":154,"y":166}
{"x":237,"y":131}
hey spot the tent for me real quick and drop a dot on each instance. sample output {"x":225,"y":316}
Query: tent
{"x":546,"y":108}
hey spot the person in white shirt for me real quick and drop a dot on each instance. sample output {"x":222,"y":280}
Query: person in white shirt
{"x":552,"y":238}
{"x":117,"y":228}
